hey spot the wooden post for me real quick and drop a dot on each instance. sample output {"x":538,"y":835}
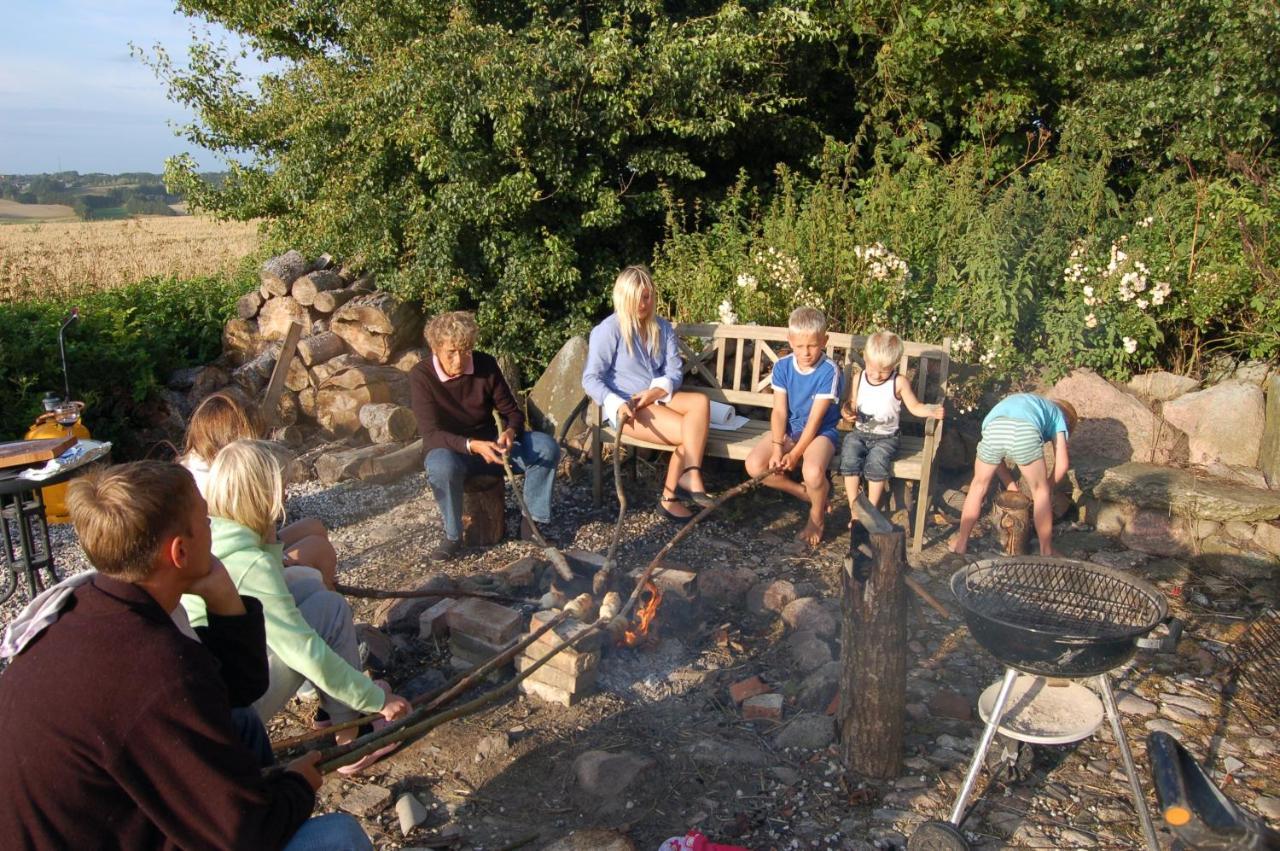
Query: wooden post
{"x":275,"y":386}
{"x":484,"y":511}
{"x":873,"y":656}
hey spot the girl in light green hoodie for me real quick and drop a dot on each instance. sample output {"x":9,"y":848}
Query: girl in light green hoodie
{"x":310,"y":632}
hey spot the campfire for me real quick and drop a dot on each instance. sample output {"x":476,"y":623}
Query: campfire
{"x":646,"y":612}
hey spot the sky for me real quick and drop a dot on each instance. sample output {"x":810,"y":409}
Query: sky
{"x":73,"y":97}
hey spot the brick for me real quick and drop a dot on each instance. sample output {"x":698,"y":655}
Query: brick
{"x":576,"y":683}
{"x":672,"y":579}
{"x":482,"y":619}
{"x":522,"y":572}
{"x":365,"y":800}
{"x":744,"y":689}
{"x":432,"y":621}
{"x":550,"y":694}
{"x":763,"y":707}
{"x":475,"y":648}
{"x":564,"y":632}
{"x":570,"y":661}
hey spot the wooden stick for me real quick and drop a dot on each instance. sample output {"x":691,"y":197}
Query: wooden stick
{"x":924,"y":594}
{"x":604,"y":578}
{"x":275,"y":386}
{"x":870,"y":518}
{"x":379,"y":594}
{"x":557,"y":559}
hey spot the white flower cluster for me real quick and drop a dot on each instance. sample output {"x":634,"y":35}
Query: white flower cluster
{"x":962,"y":344}
{"x":992,"y":353}
{"x":781,"y":268}
{"x":881,"y":263}
{"x":747,"y":281}
{"x":1130,"y":344}
{"x":727,"y":315}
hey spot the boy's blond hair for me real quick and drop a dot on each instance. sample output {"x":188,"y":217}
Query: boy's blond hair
{"x":124,"y":514}
{"x":883,"y":348}
{"x":457,"y":327}
{"x":1068,"y":412}
{"x":807,"y":320}
{"x":246,"y":485}
{"x":627,"y":289}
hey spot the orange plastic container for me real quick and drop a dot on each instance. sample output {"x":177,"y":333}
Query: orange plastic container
{"x":55,"y":496}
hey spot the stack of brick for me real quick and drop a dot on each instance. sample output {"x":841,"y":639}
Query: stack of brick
{"x":479,"y":630}
{"x":568,"y":676}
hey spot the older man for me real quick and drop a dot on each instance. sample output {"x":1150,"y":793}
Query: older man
{"x":119,"y":731}
{"x":455,"y":393}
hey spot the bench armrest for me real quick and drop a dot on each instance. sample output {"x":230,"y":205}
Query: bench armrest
{"x":931,"y":425}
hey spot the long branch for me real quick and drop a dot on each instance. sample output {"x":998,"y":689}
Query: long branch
{"x":604,"y":578}
{"x":380,"y":594}
{"x":557,"y":559}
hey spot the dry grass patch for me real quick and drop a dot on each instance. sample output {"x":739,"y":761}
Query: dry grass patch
{"x":65,"y":259}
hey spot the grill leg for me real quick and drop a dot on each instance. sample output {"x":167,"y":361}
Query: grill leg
{"x":1139,"y":799}
{"x":979,"y":757}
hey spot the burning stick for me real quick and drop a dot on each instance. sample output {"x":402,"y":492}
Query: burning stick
{"x":379,"y":594}
{"x":557,"y":559}
{"x":604,"y":578}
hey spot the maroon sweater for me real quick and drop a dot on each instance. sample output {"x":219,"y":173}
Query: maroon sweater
{"x":117,"y":734}
{"x":451,"y":412}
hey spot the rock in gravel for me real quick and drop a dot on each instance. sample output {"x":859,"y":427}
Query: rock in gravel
{"x":592,"y":840}
{"x":809,"y":732}
{"x":711,"y":751}
{"x":607,"y":775}
{"x":946,"y":703}
{"x":808,"y":614}
{"x":725,"y":585}
{"x":1198,"y":705}
{"x":778,"y":595}
{"x":1131,"y":704}
{"x":410,"y":812}
{"x":364,"y":800}
{"x":817,"y":689}
{"x":1160,"y":725}
{"x":376,"y":649}
{"x":763,"y":707}
{"x":494,"y":744}
{"x":808,"y":651}
{"x":402,"y":615}
{"x":1260,"y":747}
{"x":429,"y":680}
{"x":1267,"y":807}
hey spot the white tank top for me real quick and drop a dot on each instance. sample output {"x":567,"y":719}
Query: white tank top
{"x":878,"y":405}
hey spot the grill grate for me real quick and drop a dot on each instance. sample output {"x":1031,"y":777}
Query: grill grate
{"x":1063,"y":597}
{"x":1256,"y":656}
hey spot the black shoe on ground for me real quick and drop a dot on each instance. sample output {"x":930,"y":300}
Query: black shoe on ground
{"x":445,"y":550}
{"x":526,"y":533}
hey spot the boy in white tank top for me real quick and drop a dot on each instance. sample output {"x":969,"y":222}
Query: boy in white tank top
{"x":874,"y":406}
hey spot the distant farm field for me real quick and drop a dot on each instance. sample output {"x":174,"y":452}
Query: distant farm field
{"x":12,"y":211}
{"x":63,"y":259}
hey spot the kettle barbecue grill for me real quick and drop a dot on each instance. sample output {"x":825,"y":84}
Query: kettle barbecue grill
{"x":1060,"y":618}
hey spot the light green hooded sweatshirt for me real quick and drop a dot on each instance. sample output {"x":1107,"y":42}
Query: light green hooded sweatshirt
{"x":257,"y":570}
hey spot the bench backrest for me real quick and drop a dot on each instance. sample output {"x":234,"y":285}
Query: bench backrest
{"x":733,"y":363}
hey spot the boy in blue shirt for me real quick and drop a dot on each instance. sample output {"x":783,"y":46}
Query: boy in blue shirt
{"x":802,"y":434}
{"x":1015,"y":431}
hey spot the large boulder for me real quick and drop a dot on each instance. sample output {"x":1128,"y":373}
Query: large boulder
{"x":1269,"y":454}
{"x":559,"y":389}
{"x":1161,"y":386}
{"x":1222,"y":423}
{"x":1115,"y":424}
{"x":1180,"y":493}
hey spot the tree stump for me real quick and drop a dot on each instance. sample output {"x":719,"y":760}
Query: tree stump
{"x":1011,"y":514}
{"x":873,"y":676}
{"x":484,"y":511}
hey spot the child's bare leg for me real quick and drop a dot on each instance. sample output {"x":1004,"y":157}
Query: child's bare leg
{"x":1037,"y":477}
{"x":982,"y":475}
{"x":851,"y":485}
{"x":758,"y":462}
{"x":875,"y":491}
{"x":1006,"y":477}
{"x":315,"y":551}
{"x":817,"y":458}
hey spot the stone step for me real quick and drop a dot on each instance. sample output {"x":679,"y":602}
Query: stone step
{"x":1183,"y":494}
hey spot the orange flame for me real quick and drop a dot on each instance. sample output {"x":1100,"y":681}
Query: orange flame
{"x":645,"y":615}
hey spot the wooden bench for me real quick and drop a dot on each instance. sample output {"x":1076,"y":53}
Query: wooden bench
{"x":733,"y":364}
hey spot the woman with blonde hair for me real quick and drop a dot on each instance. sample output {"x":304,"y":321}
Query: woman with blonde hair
{"x":217,"y":421}
{"x":634,"y":371}
{"x":310,"y":632}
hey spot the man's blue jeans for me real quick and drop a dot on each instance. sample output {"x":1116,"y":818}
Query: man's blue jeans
{"x":535,"y":454}
{"x":330,"y":832}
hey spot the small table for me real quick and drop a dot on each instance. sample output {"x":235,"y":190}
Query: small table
{"x":26,"y":549}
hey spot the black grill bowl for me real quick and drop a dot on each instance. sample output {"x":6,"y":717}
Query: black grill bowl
{"x":1056,"y":617}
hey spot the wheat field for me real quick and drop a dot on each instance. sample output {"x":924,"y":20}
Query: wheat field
{"x":65,"y":259}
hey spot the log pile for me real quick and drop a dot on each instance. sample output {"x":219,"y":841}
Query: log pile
{"x":347,"y":379}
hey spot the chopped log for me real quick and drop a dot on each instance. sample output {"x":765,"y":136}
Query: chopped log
{"x":484,"y":511}
{"x":240,"y":342}
{"x":322,"y":372}
{"x":340,"y":398}
{"x":278,"y":274}
{"x":306,"y":288}
{"x":307,"y":402}
{"x":290,"y":435}
{"x":319,"y":348}
{"x":1011,"y":514}
{"x":265,"y":293}
{"x":299,"y":376}
{"x":337,"y":466}
{"x":873,"y":677}
{"x":330,"y":300}
{"x":388,"y":423}
{"x":408,"y":359}
{"x":252,"y":377}
{"x":286,"y":410}
{"x":278,"y":314}
{"x":319,"y":322}
{"x":207,"y":379}
{"x":247,"y":305}
{"x":324,"y":261}
{"x":377,"y":325}
{"x":393,"y":465}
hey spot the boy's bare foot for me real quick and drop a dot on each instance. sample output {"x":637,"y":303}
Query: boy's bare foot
{"x":958,"y":547}
{"x":810,"y":535}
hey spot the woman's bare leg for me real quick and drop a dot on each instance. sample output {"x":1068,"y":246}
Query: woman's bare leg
{"x":695,"y":410}
{"x":660,"y":424}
